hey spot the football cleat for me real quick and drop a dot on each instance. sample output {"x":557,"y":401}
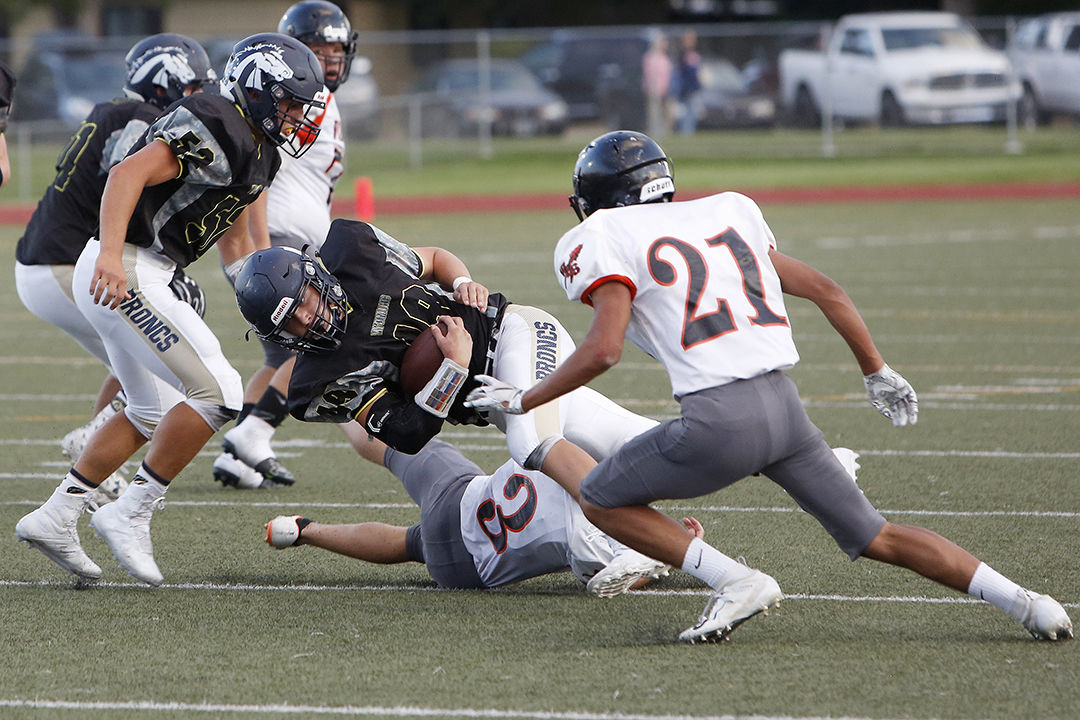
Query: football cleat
{"x":732,"y":605}
{"x":124,"y":525}
{"x":1042,"y":616}
{"x":232,"y":472}
{"x":52,"y":529}
{"x":107,"y":491}
{"x":265,"y":463}
{"x":283,"y":531}
{"x":626,"y":569}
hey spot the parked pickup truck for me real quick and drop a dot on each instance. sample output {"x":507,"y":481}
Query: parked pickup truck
{"x":898,"y":68}
{"x":1045,"y":53}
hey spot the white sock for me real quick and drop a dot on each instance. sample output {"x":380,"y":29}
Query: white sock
{"x":993,"y":587}
{"x":709,"y":565}
{"x":72,"y":485}
{"x":253,"y":430}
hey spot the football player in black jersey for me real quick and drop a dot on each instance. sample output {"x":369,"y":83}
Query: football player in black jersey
{"x":353,"y":313}
{"x":161,"y":69}
{"x":184,"y":186}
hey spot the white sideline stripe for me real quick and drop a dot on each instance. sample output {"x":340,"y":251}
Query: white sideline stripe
{"x":355,"y":710}
{"x":687,"y":592}
{"x":672,"y":508}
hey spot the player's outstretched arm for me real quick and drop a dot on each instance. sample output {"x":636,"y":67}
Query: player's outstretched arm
{"x":889,"y":393}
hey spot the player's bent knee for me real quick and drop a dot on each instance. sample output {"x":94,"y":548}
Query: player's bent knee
{"x":144,"y":424}
{"x":214,"y":415}
{"x":534,"y":458}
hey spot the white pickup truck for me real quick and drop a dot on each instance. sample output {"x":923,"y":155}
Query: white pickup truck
{"x":898,"y":68}
{"x":1045,"y":52}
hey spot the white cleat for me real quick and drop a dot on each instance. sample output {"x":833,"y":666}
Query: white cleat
{"x":625,"y":569}
{"x":849,"y":459}
{"x":52,"y":529}
{"x":232,"y":472}
{"x":282,"y":531}
{"x":732,"y":605}
{"x":128,"y":536}
{"x":1042,"y":616}
{"x":107,"y":491}
{"x":74,"y":442}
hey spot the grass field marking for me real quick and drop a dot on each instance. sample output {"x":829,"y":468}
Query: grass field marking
{"x":671,"y":508}
{"x":509,"y":589}
{"x":358,"y":711}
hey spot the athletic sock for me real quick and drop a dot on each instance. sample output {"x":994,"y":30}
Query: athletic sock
{"x":273,"y":407}
{"x":993,"y":587}
{"x":75,"y":484}
{"x":711,"y":566}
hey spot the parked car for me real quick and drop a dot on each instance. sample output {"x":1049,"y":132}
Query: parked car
{"x":64,"y":76}
{"x":1045,"y":52}
{"x":727,"y":99}
{"x":898,"y":68}
{"x":598,"y":77}
{"x":452,"y":102}
{"x":357,"y":98}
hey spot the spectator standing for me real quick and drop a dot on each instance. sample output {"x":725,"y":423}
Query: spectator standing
{"x":656,"y":70}
{"x":686,"y":87}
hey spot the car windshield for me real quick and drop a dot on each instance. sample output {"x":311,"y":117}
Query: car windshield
{"x":502,"y":78}
{"x":929,"y":37}
{"x":96,"y":76}
{"x":721,"y":75}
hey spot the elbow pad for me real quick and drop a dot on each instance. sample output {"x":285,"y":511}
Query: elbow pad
{"x":402,"y":425}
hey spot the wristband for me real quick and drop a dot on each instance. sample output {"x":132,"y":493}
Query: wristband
{"x":438,"y":395}
{"x":460,"y":280}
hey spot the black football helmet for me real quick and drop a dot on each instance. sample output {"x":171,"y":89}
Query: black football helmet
{"x":271,"y":285}
{"x":312,"y":21}
{"x":621,"y":168}
{"x":266,"y":69}
{"x":163,"y":68}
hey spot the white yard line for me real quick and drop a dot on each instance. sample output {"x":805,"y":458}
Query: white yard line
{"x":371,"y":711}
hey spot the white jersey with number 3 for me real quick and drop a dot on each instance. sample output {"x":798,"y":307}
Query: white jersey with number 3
{"x":707,"y":301}
{"x":518,"y":524}
{"x":298,"y":204}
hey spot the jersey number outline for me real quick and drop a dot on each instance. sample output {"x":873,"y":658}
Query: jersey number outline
{"x":69,"y":158}
{"x":699,"y":327}
{"x":515,"y":522}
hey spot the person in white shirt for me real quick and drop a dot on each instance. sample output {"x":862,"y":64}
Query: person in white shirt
{"x":699,"y":286}
{"x":297,"y":215}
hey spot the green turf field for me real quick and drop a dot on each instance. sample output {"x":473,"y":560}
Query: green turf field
{"x":974,"y":302}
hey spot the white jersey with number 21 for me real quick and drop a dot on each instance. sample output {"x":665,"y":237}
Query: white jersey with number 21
{"x":707,"y":302}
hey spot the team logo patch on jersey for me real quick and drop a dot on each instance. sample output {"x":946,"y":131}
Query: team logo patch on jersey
{"x":657,"y":188}
{"x":570,"y":268}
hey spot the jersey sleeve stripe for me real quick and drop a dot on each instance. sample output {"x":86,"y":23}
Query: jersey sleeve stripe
{"x":606,"y":279}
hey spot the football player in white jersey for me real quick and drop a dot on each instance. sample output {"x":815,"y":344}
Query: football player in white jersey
{"x":699,"y":286}
{"x":297,"y":214}
{"x":475,"y":530}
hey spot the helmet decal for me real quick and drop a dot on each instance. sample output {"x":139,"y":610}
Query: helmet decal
{"x":164,"y":63}
{"x":266,"y":58}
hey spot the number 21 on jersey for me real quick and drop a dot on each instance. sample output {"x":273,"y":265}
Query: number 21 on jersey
{"x":701,"y":326}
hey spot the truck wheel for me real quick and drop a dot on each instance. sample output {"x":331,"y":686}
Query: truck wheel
{"x":892,"y":115}
{"x":1027,"y":109}
{"x":804,"y":113}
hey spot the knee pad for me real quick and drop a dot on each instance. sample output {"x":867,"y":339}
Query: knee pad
{"x":535,"y":459}
{"x":145,"y":425}
{"x":215,"y":415}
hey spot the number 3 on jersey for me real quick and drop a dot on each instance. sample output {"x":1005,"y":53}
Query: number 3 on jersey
{"x":699,"y":327}
{"x":516,"y":521}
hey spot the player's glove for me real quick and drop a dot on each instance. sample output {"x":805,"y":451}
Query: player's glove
{"x":494,"y":394}
{"x":892,"y":396}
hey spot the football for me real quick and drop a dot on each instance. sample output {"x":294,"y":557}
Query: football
{"x":421,"y":360}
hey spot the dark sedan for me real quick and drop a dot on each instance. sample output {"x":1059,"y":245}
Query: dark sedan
{"x":452,"y":102}
{"x":726,"y":100}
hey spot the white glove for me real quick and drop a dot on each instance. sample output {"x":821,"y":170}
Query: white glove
{"x":892,"y":396}
{"x":494,"y":394}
